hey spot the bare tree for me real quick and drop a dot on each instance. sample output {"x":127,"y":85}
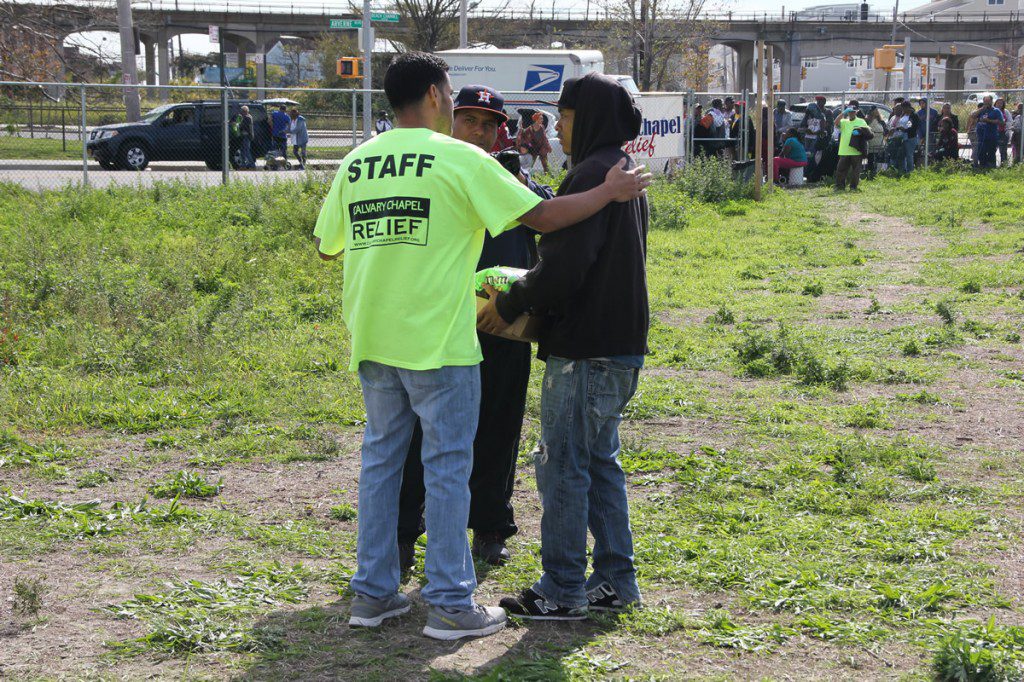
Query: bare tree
{"x":665,"y":39}
{"x":32,"y":40}
{"x":433,"y":24}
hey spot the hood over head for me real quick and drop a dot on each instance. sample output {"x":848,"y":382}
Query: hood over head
{"x":605,"y":114}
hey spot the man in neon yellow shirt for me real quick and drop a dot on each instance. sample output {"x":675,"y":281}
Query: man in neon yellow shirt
{"x":850,"y":158}
{"x":410,"y":207}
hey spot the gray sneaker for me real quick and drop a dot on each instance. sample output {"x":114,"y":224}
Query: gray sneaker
{"x":368,"y":612}
{"x":478,"y":621}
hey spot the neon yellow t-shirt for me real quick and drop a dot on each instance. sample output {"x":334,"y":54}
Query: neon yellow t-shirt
{"x":846,"y":127}
{"x":410,"y":206}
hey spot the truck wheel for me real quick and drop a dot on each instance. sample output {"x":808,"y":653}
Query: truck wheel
{"x":133,"y":155}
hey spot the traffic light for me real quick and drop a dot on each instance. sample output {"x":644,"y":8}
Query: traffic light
{"x":803,"y":73}
{"x":952,"y":49}
{"x":349,"y":67}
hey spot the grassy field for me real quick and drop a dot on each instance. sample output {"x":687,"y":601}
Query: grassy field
{"x":40,"y":149}
{"x":825,"y":453}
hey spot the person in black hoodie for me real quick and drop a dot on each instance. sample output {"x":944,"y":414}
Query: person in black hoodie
{"x":591,"y":279}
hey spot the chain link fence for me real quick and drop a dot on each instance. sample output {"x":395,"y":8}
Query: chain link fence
{"x":52,"y":134}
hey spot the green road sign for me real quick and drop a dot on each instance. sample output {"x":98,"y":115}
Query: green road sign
{"x":386,"y":17}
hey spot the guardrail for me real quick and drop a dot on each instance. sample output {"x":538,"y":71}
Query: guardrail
{"x":579,"y":13}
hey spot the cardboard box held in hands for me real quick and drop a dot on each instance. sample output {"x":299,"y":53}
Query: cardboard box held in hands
{"x":526,"y":328}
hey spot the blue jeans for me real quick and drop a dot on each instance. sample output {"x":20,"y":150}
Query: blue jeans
{"x":909,"y":147}
{"x":247,"y":161}
{"x":580,"y":480}
{"x":447,"y":403}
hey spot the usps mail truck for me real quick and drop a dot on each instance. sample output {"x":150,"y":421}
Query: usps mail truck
{"x":540,"y":71}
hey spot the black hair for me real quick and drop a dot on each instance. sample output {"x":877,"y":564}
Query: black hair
{"x":409,"y":77}
{"x":793,"y":132}
{"x":283,"y":108}
{"x":716,"y":103}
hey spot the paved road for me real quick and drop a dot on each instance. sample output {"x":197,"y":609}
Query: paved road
{"x":317,"y":138}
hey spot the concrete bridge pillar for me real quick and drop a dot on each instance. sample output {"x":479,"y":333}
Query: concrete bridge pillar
{"x":790,"y":62}
{"x":163,"y":61}
{"x":955,"y":77}
{"x":744,"y":65}
{"x":150,"y":46}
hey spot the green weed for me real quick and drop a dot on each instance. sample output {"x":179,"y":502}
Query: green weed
{"x":193,"y":616}
{"x":28,"y":595}
{"x":981,"y":652}
{"x":185,"y":484}
{"x":344,"y":512}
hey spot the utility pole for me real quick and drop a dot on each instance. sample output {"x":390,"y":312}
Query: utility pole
{"x":906,"y":66}
{"x":225,"y":156}
{"x":367,"y":70}
{"x":463,"y":24}
{"x":130,"y":75}
{"x":892,"y":41}
{"x":769,"y":138}
{"x":758,"y":121}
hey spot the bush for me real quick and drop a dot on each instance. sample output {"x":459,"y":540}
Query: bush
{"x":970,"y":287}
{"x":710,"y":179}
{"x":722,"y":316}
{"x":814,"y":289}
{"x":765,"y":354}
{"x":944,"y":310}
{"x":911,"y":348}
{"x":813,"y":371}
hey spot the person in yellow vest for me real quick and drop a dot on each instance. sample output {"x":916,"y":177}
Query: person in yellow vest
{"x":851,"y":157}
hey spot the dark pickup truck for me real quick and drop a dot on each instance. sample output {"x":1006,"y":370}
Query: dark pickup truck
{"x":189,"y":131}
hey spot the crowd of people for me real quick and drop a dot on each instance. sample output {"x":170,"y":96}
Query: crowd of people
{"x":840,"y":141}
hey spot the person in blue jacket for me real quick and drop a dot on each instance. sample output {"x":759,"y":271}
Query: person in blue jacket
{"x":280,"y":122}
{"x":299,"y":134}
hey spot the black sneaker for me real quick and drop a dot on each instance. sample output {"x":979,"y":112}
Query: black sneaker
{"x":605,"y":598}
{"x":406,"y":556}
{"x":533,"y":606}
{"x":490,"y":548}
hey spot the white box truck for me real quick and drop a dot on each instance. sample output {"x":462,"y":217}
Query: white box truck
{"x":539,"y":71}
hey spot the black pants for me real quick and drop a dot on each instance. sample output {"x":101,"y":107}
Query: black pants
{"x":504,"y":376}
{"x":987,"y":152}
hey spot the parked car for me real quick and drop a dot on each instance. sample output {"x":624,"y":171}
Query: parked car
{"x":187,"y":131}
{"x":978,"y":97}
